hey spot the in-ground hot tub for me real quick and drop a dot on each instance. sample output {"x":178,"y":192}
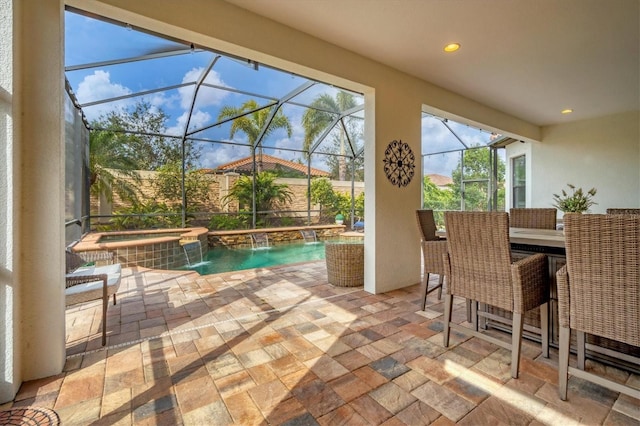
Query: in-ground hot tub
{"x":153,"y":248}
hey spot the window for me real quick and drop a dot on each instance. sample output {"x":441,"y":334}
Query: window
{"x":519,"y":181}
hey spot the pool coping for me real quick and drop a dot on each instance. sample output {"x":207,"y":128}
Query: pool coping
{"x":91,"y":242}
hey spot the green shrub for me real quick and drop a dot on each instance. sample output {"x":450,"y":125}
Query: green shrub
{"x":229,"y":221}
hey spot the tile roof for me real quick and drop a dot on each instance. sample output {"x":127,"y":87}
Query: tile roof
{"x":269,"y":162}
{"x":440,"y":180}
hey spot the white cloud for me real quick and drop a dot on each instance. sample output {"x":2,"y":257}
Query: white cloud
{"x":206,"y":96}
{"x":198,"y":119}
{"x":220,"y":154}
{"x":98,"y":86}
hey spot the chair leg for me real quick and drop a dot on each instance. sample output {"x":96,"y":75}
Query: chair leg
{"x":474,"y":314}
{"x":516,"y":342}
{"x":105,"y":304}
{"x":580,"y":342}
{"x":425,"y":292}
{"x":563,"y":362}
{"x":544,"y":328}
{"x":448,"y":303}
{"x":440,"y":284}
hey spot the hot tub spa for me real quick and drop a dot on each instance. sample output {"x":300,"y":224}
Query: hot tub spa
{"x":154,"y":248}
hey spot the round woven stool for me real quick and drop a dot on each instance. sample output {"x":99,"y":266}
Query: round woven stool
{"x":345,"y":263}
{"x":29,"y":416}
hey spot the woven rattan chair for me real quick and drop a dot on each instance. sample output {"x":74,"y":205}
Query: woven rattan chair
{"x":537,"y":218}
{"x":623,"y":211}
{"x":433,"y":248}
{"x":599,"y":289}
{"x":478,"y":267}
{"x":85,"y":283}
{"x":345,"y":263}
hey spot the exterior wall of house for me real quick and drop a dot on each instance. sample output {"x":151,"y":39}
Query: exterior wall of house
{"x":603,"y":153}
{"x":32,"y":329}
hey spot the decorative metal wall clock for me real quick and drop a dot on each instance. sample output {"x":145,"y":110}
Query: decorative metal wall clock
{"x":399,"y":163}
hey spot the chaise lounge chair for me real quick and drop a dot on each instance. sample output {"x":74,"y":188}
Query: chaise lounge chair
{"x":90,"y":282}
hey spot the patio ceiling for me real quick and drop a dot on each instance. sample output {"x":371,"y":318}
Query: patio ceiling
{"x":530,"y":59}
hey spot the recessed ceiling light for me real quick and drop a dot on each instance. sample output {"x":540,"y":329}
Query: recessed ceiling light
{"x":452,"y":47}
{"x":567,"y":111}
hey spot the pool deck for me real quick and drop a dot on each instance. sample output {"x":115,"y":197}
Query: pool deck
{"x":282,"y":346}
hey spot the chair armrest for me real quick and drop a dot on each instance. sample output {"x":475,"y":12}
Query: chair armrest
{"x":105,"y":257}
{"x":82,"y":279}
{"x":530,"y":280}
{"x":564,"y":305}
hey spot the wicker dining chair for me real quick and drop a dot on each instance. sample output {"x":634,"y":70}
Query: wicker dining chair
{"x":598,"y":290}
{"x":537,"y":218}
{"x":479,"y":268}
{"x":85,"y":283}
{"x":623,"y":211}
{"x":433,"y":248}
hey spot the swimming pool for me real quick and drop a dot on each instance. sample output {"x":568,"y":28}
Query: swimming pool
{"x":222,"y":259}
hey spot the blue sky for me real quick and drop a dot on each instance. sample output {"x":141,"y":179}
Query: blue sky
{"x":91,"y":41}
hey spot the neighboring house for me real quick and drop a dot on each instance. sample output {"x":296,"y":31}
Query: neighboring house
{"x":441,"y":181}
{"x":266,"y":163}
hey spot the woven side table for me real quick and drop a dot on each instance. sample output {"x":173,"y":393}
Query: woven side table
{"x":345,"y":263}
{"x":29,"y":416}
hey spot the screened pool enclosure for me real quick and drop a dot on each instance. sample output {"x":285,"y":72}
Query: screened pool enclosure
{"x":164,"y":133}
{"x":159,"y":131}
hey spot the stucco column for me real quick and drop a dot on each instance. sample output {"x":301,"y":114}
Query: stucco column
{"x":38,"y":112}
{"x":392,"y":244}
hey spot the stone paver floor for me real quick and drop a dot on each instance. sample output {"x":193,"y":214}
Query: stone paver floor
{"x":282,"y":346}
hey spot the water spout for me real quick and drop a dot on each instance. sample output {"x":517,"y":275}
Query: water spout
{"x":309,"y":236}
{"x":191,"y":250}
{"x":259,"y":241}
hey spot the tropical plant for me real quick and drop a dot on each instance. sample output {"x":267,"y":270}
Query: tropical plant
{"x":577,"y":201}
{"x":321,"y":112}
{"x":251,"y":119}
{"x":269,"y":195}
{"x":147,"y":215}
{"x":229,"y":221}
{"x":111,"y":168}
{"x":333,"y":202}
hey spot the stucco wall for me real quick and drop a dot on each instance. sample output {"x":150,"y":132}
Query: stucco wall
{"x":603,"y":153}
{"x":9,"y":332}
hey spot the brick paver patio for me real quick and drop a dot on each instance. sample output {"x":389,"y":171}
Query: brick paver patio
{"x":282,"y":346}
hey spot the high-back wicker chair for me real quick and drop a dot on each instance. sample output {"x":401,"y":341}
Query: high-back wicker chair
{"x":537,"y":218}
{"x":478,"y":267}
{"x":433,"y":248}
{"x":599,"y":289}
{"x":623,"y":211}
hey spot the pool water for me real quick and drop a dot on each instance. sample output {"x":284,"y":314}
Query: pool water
{"x":222,"y":259}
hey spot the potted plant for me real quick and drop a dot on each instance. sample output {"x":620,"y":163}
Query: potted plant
{"x":577,"y":201}
{"x":339,"y":219}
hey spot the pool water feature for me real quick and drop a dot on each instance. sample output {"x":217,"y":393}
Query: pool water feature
{"x":222,"y":259}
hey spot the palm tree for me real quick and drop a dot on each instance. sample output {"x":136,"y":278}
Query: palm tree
{"x":323,"y":110}
{"x":111,"y":170}
{"x":268,"y":193}
{"x":252,"y":124}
